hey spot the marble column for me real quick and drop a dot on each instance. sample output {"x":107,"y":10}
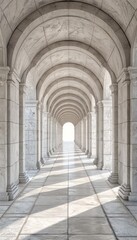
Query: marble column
{"x":100,"y":135}
{"x":93,"y":145}
{"x":75,"y":129}
{"x":57,"y":135}
{"x":23,"y":176}
{"x":97,"y":136}
{"x":84,"y":134}
{"x":81,"y":134}
{"x":49,"y":133}
{"x":113,"y":178}
{"x":39,"y":110}
{"x":44,"y":136}
{"x":13,"y":134}
{"x":133,"y":134}
{"x":107,"y":134}
{"x":31,"y":134}
{"x":124,"y":133}
{"x":54,"y":135}
{"x":89,"y":134}
{"x":3,"y":133}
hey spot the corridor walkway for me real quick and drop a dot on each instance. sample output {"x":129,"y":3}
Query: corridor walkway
{"x":68,"y":199}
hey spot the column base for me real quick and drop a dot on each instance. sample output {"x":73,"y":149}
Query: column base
{"x":23,"y":177}
{"x":42,"y":161}
{"x":95,"y":162}
{"x":4,"y":196}
{"x":99,"y":166}
{"x":86,"y":152}
{"x":124,"y":191}
{"x":133,"y":197}
{"x":113,"y":178}
{"x":89,"y":155}
{"x":12,"y":191}
{"x":50,"y":152}
{"x":38,"y":165}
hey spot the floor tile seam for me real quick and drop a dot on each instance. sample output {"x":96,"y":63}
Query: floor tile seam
{"x":67,"y":196}
{"x":102,"y":208}
{"x":51,"y":168}
{"x":32,"y":208}
{"x":14,"y":200}
{"x":119,"y":198}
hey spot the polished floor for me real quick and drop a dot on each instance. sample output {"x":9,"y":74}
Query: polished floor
{"x":68,"y":199}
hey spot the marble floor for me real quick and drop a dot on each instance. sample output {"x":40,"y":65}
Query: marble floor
{"x":68,"y":199}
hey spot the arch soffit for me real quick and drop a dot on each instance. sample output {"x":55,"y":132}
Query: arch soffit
{"x":95,"y":83}
{"x":36,"y":18}
{"x":70,"y":111}
{"x":73,"y":45}
{"x":68,"y":96}
{"x":75,"y":100}
{"x":69,"y":90}
{"x":64,"y":104}
{"x":77,"y":85}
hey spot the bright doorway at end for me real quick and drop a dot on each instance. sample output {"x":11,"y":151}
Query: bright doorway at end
{"x":68,"y":132}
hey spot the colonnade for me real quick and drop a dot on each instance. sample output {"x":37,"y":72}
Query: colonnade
{"x":32,"y":134}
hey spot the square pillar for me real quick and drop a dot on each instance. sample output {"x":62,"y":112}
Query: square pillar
{"x":124,"y":133}
{"x":39,"y":122}
{"x":13,"y":134}
{"x":133,"y":134}
{"x":23,"y":176}
{"x":44,"y":132}
{"x":100,"y":135}
{"x":113,"y":178}
{"x":93,"y":137}
{"x":89,"y":134}
{"x":84,"y":134}
{"x":3,"y":133}
{"x":107,"y":134}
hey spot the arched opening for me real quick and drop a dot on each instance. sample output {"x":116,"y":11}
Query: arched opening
{"x":68,"y":132}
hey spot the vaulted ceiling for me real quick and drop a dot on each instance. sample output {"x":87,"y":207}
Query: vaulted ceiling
{"x":67,"y":46}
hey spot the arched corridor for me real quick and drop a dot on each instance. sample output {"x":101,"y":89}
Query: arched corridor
{"x":68,"y":62}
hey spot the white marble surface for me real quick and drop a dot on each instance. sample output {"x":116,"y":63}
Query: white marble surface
{"x":68,"y":212}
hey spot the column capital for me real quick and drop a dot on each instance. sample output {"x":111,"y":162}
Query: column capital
{"x":3,"y":75}
{"x":127,"y":75}
{"x":114,"y":88}
{"x":13,"y":76}
{"x":124,"y":76}
{"x":89,"y":113}
{"x":133,"y":73}
{"x":39,"y":105}
{"x":107,"y":103}
{"x":22,"y":88}
{"x":100,"y":104}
